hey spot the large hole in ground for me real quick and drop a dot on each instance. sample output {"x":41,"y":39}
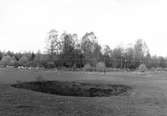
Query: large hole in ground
{"x":82,"y":89}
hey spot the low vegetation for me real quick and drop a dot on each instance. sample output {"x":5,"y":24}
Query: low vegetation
{"x":146,"y":96}
{"x":75,"y":88}
{"x":142,"y":68}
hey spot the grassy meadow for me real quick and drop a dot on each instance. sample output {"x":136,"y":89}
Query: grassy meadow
{"x":147,"y":98}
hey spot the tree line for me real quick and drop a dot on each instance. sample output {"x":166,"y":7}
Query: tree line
{"x":68,"y":50}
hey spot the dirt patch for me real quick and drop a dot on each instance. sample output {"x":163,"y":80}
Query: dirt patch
{"x":83,"y":89}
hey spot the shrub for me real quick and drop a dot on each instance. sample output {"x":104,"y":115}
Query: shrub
{"x":100,"y":66}
{"x":87,"y":67}
{"x":159,"y":69}
{"x":6,"y":60}
{"x":23,"y":61}
{"x":39,"y":78}
{"x":142,"y":68}
{"x":18,"y":82}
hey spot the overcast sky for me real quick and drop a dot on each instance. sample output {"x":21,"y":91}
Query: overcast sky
{"x":24,"y":23}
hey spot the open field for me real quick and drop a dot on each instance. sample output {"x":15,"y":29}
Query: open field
{"x":147,"y":98}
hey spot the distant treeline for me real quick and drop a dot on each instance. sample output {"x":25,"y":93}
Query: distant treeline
{"x":67,"y":50}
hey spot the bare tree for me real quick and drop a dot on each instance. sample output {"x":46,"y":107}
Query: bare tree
{"x":141,"y":51}
{"x":54,"y":43}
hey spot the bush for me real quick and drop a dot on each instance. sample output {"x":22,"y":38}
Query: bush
{"x":6,"y":60}
{"x":159,"y":69}
{"x":100,"y":66}
{"x":87,"y":67}
{"x":142,"y":68}
{"x":39,"y":78}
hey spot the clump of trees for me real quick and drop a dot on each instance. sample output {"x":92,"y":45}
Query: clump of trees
{"x":69,"y":51}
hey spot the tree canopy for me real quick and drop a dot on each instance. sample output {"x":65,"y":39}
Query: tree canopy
{"x":68,"y":50}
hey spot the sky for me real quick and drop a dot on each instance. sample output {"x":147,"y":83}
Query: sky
{"x":24,"y":24}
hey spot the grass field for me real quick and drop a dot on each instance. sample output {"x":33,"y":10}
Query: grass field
{"x":147,"y":98}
